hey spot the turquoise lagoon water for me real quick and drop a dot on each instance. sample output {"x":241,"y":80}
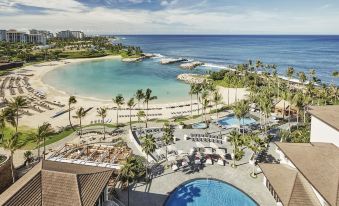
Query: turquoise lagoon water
{"x":203,"y":192}
{"x":232,"y":120}
{"x":104,"y":79}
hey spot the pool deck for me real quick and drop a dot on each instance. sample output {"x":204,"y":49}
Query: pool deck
{"x":156,"y":192}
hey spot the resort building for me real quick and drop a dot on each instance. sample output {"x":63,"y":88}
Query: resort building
{"x":16,"y":36}
{"x":36,"y":39}
{"x":70,"y":34}
{"x":45,"y":33}
{"x":2,"y":35}
{"x":325,"y":124}
{"x":308,"y":174}
{"x":56,"y":183}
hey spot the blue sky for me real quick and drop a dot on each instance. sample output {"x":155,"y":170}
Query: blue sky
{"x":174,"y":16}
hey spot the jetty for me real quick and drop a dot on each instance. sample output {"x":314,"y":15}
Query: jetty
{"x":191,"y":65}
{"x":172,"y":61}
{"x":192,"y":78}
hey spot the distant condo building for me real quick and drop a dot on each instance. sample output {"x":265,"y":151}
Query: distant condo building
{"x":16,"y":36}
{"x":2,"y":35}
{"x":70,"y":34}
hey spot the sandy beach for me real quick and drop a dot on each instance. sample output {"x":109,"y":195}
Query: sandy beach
{"x":159,"y":111}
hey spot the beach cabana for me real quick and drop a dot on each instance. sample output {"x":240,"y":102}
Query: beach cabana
{"x":283,"y":106}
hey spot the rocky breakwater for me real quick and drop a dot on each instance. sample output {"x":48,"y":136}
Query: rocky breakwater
{"x":191,"y":65}
{"x":172,"y":61}
{"x":138,"y":59}
{"x":192,"y":78}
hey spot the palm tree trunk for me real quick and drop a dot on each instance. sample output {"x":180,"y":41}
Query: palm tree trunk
{"x":127,"y":192}
{"x":284,"y":110}
{"x":130,"y":118}
{"x":191,"y":106}
{"x":38,"y":150}
{"x":103,"y":120}
{"x":17,"y":120}
{"x":44,"y":148}
{"x":216,"y":109}
{"x":146,"y":113}
{"x":146,"y":167}
{"x":69,"y":116}
{"x":12,"y":167}
{"x":80,"y":128}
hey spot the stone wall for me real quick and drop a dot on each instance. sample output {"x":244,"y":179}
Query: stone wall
{"x":5,"y":175}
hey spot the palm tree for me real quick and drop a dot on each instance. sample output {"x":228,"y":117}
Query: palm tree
{"x":16,"y":105}
{"x":129,"y":172}
{"x":167,"y":136}
{"x":102,"y":112}
{"x":118,"y":100}
{"x":139,"y":96}
{"x":197,"y":90}
{"x":12,"y":144}
{"x":2,"y":124}
{"x":234,"y":138}
{"x":71,"y":100}
{"x":256,"y":144}
{"x":240,"y":110}
{"x":191,"y":92}
{"x":140,"y":114}
{"x":302,"y":77}
{"x":265,"y":104}
{"x":79,"y":114}
{"x":289,"y":73}
{"x":147,"y":99}
{"x":148,"y":146}
{"x":43,"y":131}
{"x":28,"y":157}
{"x":284,"y":97}
{"x":130,"y":105}
{"x":217,"y":98}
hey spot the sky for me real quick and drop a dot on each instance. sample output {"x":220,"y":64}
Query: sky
{"x":173,"y":16}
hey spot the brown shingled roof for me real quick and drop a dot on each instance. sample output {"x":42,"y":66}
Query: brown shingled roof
{"x":290,"y":186}
{"x":56,"y":183}
{"x":328,"y":114}
{"x":319,"y":164}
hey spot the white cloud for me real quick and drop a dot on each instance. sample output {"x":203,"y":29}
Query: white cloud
{"x":70,"y":14}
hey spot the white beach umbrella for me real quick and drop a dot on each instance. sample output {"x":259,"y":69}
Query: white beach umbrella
{"x":208,"y":150}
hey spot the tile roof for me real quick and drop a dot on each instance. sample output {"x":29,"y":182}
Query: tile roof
{"x":56,"y":183}
{"x":328,"y":114}
{"x":290,"y":186}
{"x":319,"y":164}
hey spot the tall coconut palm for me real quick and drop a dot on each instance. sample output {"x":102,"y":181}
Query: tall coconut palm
{"x":256,"y":144}
{"x":240,"y":110}
{"x":130,"y":105}
{"x":265,"y":104}
{"x":139,"y":95}
{"x":204,"y":102}
{"x":217,"y":98}
{"x":118,"y":100}
{"x":102,"y":112}
{"x":71,"y":100}
{"x":302,"y":77}
{"x":43,"y":131}
{"x":147,"y":99}
{"x":167,"y":137}
{"x":148,"y":146}
{"x":12,"y":144}
{"x":284,"y":97}
{"x":16,"y":105}
{"x":141,"y":114}
{"x":289,"y":73}
{"x":197,"y":90}
{"x":234,"y":138}
{"x":191,"y":93}
{"x":129,"y":172}
{"x":80,"y":114}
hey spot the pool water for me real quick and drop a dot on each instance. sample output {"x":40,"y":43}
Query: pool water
{"x":200,"y":125}
{"x":203,"y":192}
{"x":232,"y":120}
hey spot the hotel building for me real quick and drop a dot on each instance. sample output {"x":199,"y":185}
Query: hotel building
{"x":16,"y":36}
{"x":70,"y":34}
{"x":308,"y":173}
{"x":2,"y":35}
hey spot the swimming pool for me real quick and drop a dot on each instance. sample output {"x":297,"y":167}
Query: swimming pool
{"x":206,"y":192}
{"x":232,"y":120}
{"x":200,"y":125}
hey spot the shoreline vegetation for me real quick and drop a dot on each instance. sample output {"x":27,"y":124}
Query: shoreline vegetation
{"x":265,"y":88}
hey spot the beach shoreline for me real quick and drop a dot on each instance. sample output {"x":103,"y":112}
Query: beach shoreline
{"x":38,"y":71}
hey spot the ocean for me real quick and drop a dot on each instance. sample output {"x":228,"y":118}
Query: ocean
{"x":105,"y":79}
{"x":301,"y":52}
